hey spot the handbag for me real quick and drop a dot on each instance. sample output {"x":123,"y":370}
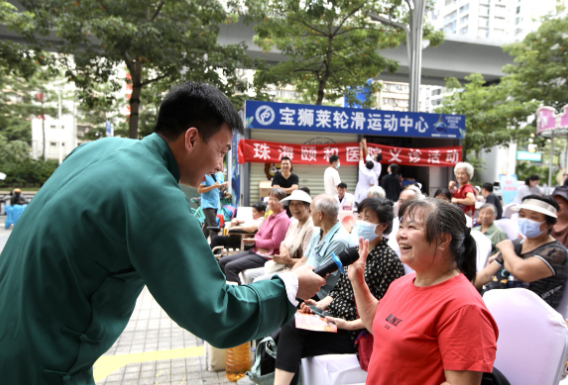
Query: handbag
{"x":266,"y":347}
{"x":364,"y":344}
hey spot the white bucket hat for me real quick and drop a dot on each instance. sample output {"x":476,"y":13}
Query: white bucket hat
{"x":297,"y":195}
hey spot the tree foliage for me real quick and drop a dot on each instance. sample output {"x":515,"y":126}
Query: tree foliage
{"x":492,"y":118}
{"x":332,"y":47}
{"x":151,"y":40}
{"x":540,"y":70}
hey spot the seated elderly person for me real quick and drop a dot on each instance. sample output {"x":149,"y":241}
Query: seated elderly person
{"x":487,"y":216}
{"x":537,"y":262}
{"x":376,"y":192}
{"x":465,"y":195}
{"x":443,"y":194}
{"x":381,"y":268}
{"x":266,"y":241}
{"x":410,"y":192}
{"x":431,"y":327}
{"x":297,"y":238}
{"x":249,"y":226}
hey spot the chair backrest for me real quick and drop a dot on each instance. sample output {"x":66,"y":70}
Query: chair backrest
{"x":562,"y":307}
{"x":533,"y":337}
{"x":483,"y":248}
{"x":507,"y":212}
{"x":244,"y":213}
{"x":510,"y":227}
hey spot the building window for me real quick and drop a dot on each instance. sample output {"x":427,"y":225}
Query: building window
{"x":464,"y":7}
{"x":463,"y":31}
{"x":53,"y":144}
{"x":483,"y":10}
{"x":436,"y":92}
{"x":450,"y":28}
{"x":464,"y":19}
{"x":437,"y":102}
{"x":450,"y":17}
{"x":517,"y":21}
{"x":482,"y":32}
{"x":518,"y":9}
{"x":53,"y":126}
{"x":483,"y":22}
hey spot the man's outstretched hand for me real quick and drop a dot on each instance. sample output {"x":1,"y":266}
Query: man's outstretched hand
{"x":309,"y":283}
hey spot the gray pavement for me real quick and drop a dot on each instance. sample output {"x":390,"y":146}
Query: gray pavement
{"x":153,"y":349}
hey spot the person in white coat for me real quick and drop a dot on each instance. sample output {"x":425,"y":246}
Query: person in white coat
{"x":331,"y":177}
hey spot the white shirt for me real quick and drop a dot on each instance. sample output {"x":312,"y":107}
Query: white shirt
{"x":347,"y":202}
{"x":366,"y":179}
{"x":330,"y":180}
{"x":377,"y":168}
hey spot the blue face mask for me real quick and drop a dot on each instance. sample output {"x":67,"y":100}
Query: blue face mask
{"x":366,"y":230}
{"x":337,"y":165}
{"x":529,"y":228}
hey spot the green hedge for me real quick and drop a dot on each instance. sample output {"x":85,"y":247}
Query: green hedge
{"x":27,"y":173}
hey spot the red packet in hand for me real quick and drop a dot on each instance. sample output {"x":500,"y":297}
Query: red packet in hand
{"x":314,"y":323}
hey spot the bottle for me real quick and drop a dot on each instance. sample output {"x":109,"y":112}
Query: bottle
{"x":238,"y":362}
{"x":512,"y":281}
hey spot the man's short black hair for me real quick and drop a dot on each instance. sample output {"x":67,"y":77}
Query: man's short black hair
{"x":379,"y":157}
{"x":198,"y":105}
{"x":369,"y":164}
{"x":488,"y":187}
{"x":285,"y":158}
{"x":394,"y":168}
{"x":333,"y":158}
{"x":342,"y":185}
{"x":259,"y":206}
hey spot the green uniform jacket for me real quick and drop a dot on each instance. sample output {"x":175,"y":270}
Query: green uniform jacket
{"x":110,"y":220}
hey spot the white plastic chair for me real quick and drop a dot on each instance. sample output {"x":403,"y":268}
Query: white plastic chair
{"x":510,"y":227}
{"x":332,"y":369}
{"x":562,"y":307}
{"x":483,"y":248}
{"x":533,"y":337}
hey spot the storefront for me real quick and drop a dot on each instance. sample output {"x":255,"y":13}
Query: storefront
{"x":425,"y":145}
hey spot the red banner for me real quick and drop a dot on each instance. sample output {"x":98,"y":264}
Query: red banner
{"x":257,"y":151}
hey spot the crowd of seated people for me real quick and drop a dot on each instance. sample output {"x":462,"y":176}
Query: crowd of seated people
{"x":443,"y":293}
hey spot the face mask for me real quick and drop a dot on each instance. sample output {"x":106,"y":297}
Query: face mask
{"x":337,"y":165}
{"x":529,"y":228}
{"x":366,"y":230}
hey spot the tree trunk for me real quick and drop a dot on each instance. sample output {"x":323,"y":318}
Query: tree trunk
{"x":325,"y":77}
{"x":135,"y":99}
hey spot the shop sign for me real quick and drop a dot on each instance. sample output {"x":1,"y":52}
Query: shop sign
{"x":304,"y":117}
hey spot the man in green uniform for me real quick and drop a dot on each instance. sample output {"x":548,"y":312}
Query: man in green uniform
{"x":93,"y":236}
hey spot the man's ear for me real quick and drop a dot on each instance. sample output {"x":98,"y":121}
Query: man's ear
{"x":190,"y":138}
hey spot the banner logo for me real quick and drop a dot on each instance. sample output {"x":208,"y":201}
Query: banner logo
{"x":265,"y":115}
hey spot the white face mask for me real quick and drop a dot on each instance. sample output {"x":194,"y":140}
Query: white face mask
{"x":338,"y":164}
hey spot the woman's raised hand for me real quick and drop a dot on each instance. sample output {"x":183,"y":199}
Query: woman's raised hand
{"x":356,"y":270}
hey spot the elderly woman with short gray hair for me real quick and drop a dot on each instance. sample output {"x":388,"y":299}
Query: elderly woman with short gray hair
{"x":487,"y":216}
{"x":464,"y":195}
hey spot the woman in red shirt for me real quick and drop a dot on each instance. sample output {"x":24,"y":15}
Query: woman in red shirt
{"x":464,"y":196}
{"x":432,"y":326}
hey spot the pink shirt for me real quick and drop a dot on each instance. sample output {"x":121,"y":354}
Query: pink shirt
{"x":272,"y":233}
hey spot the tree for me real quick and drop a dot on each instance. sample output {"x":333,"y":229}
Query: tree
{"x":492,"y":118}
{"x":151,"y":40}
{"x":540,"y":71}
{"x":331,"y":47}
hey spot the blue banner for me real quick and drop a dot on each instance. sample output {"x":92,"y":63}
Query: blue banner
{"x":307,"y":117}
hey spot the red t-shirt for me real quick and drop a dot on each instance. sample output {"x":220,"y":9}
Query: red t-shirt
{"x":420,"y":331}
{"x":461,"y":194}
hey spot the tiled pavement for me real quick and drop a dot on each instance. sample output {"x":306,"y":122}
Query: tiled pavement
{"x":154,"y":350}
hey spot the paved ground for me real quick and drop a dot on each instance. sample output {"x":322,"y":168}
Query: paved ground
{"x":151,"y":350}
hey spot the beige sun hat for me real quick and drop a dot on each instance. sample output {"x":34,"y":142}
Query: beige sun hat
{"x":538,"y":206}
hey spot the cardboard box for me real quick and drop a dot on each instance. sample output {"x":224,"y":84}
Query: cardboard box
{"x":264,"y":187}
